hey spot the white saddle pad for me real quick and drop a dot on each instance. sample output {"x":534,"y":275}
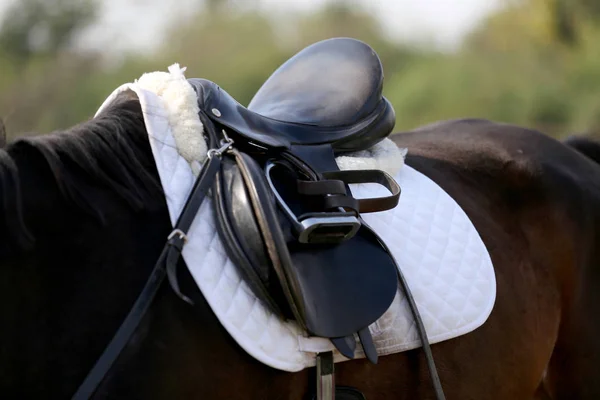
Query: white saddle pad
{"x":443,"y":258}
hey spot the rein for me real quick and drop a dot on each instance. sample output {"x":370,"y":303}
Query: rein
{"x":166,"y":265}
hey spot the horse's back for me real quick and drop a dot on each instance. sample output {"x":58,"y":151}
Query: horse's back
{"x":536,"y":204}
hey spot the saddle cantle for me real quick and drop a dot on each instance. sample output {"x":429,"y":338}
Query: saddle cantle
{"x":283,"y":208}
{"x":329,"y":93}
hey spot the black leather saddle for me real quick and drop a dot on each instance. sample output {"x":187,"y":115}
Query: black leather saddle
{"x":284,"y":210}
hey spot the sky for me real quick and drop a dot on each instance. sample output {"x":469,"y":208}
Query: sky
{"x":137,"y":24}
{"x":443,"y":22}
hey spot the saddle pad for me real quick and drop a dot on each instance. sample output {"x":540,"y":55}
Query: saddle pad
{"x":444,"y":260}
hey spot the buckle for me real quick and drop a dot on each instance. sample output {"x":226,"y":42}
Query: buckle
{"x":317,"y":227}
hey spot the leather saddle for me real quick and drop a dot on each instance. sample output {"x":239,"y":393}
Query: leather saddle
{"x":284,"y":210}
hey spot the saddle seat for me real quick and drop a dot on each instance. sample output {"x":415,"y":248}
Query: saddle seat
{"x":328,"y":93}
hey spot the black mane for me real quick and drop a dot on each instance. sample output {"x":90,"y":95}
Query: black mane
{"x":110,"y":151}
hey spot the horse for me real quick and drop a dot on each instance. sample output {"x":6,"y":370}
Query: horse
{"x":84,"y":219}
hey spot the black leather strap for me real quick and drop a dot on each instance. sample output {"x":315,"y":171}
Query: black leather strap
{"x":121,"y":338}
{"x":374,"y":204}
{"x":165,"y":265}
{"x":335,"y":202}
{"x":334,"y":187}
{"x":321,"y":188}
{"x":366,"y":340}
{"x":201,"y":187}
{"x":435,"y":379}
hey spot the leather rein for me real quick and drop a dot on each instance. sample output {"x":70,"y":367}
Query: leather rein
{"x":166,"y":265}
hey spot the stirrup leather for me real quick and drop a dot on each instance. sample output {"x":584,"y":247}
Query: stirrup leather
{"x":335,"y":224}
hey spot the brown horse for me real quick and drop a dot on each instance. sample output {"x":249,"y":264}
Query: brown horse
{"x":84,"y":219}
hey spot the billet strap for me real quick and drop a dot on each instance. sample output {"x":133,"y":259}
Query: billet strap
{"x":345,"y":345}
{"x":366,"y":340}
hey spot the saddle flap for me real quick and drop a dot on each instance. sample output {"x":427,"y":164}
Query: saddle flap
{"x":332,"y":290}
{"x":346,"y":287}
{"x":240,"y":231}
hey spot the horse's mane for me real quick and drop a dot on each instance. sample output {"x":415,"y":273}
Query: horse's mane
{"x":111,"y":151}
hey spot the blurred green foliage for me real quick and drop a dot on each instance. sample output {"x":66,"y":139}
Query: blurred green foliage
{"x":534,"y":62}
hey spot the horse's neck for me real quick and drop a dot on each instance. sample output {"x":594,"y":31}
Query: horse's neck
{"x":64,"y":298}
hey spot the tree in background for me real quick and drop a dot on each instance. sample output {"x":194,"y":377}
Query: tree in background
{"x":239,"y":48}
{"x":2,"y":134}
{"x":542,"y":55}
{"x":533,"y":62}
{"x":43,"y":26}
{"x":571,"y":15}
{"x":41,"y":71}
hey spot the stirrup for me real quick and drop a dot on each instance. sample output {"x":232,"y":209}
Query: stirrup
{"x":317,"y":227}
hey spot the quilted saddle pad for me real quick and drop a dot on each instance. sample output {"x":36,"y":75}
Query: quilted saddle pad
{"x":443,"y":258}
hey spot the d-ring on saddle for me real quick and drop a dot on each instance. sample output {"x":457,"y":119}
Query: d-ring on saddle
{"x":284,"y":210}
